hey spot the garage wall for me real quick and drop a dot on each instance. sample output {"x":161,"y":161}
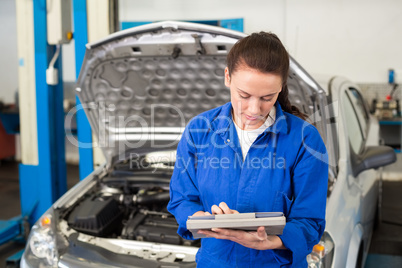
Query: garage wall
{"x":8,"y":51}
{"x":9,"y":57}
{"x":359,"y":39}
{"x":257,"y":13}
{"x":356,"y":38}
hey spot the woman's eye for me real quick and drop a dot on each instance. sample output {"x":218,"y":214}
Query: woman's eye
{"x":244,"y":97}
{"x":267,"y":100}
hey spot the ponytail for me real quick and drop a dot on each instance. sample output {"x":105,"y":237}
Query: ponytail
{"x":283,"y":99}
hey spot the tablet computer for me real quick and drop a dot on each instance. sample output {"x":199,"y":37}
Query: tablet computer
{"x":274,"y":222}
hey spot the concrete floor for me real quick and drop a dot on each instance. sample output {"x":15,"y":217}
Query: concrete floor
{"x":385,"y":250}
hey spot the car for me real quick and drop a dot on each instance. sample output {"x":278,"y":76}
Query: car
{"x":139,"y":88}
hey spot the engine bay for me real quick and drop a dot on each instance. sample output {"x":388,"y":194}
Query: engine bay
{"x":128,"y":207}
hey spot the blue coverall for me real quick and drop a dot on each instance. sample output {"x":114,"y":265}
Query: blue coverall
{"x":286,"y":169}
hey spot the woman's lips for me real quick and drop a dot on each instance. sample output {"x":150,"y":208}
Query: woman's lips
{"x":251,"y":118}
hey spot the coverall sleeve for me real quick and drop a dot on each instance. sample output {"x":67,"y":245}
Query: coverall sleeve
{"x":184,"y":195}
{"x":306,"y":219}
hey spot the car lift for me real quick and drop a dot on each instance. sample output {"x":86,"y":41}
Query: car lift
{"x":43,"y":176}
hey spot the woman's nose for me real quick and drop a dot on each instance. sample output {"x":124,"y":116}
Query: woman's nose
{"x":254,"y":107}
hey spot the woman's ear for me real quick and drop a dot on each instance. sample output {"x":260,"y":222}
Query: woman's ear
{"x":227,"y":77}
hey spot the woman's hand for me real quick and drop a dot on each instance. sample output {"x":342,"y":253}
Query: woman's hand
{"x":201,"y":213}
{"x":223,"y":208}
{"x":256,"y":240}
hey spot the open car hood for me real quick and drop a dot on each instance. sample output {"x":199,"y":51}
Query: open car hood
{"x":140,"y":87}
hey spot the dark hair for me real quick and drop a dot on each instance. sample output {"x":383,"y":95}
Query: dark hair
{"x":264,"y":52}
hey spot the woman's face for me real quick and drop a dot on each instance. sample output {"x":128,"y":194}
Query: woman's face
{"x":253,"y":94}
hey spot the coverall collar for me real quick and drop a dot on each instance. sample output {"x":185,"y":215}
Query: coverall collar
{"x":224,"y":120}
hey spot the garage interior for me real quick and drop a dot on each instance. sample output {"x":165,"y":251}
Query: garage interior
{"x":358,"y":40}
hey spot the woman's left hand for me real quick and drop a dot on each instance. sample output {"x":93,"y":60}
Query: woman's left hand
{"x":256,"y":240}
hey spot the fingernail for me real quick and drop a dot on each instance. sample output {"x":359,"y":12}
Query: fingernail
{"x":215,"y":229}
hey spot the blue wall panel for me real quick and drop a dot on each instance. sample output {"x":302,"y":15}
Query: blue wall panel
{"x":43,"y":184}
{"x":84,"y":132}
{"x":233,"y":24}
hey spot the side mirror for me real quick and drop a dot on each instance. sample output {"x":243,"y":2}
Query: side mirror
{"x":374,"y":157}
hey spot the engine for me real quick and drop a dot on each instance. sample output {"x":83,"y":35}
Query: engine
{"x":120,"y":210}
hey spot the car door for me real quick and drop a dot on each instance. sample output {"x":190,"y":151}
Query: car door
{"x":366,"y":135}
{"x":362,"y":132}
{"x":349,"y":207}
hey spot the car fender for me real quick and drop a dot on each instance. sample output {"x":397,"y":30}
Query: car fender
{"x":354,"y":246}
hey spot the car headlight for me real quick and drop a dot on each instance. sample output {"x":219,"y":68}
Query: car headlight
{"x":322,"y":254}
{"x":43,"y":245}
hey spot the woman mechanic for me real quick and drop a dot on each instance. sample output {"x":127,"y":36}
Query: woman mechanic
{"x":253,"y":154}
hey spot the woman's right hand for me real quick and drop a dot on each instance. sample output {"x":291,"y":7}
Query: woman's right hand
{"x":223,"y":208}
{"x":201,"y":213}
